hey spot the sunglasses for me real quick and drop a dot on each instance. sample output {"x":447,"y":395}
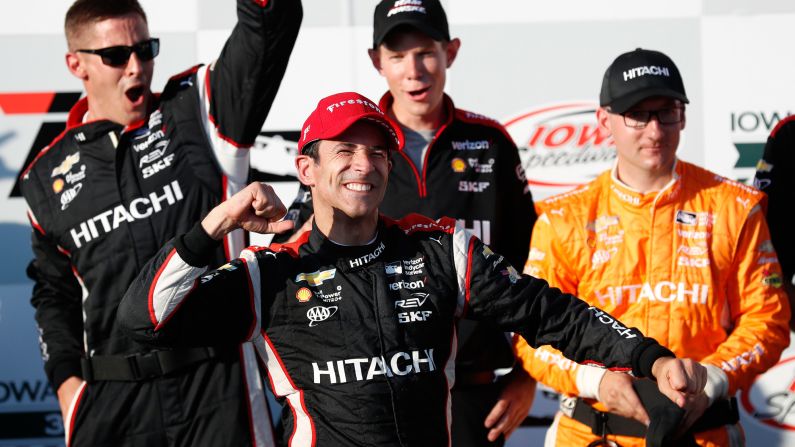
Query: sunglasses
{"x":120,"y":54}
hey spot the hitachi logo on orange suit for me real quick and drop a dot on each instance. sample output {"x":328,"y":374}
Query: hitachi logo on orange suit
{"x":663,"y":291}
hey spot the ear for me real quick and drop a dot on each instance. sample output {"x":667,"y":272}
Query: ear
{"x":375,"y":58}
{"x":303,"y":166}
{"x":76,"y":66}
{"x":452,"y":50}
{"x":684,"y":120}
{"x":603,"y":119}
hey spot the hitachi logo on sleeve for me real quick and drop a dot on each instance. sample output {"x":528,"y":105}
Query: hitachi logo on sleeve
{"x":606,"y":319}
{"x":140,"y":208}
{"x":468,"y":145}
{"x":653,"y":70}
{"x":350,"y":370}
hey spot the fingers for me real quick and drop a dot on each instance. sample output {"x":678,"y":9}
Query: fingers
{"x":616,"y":392}
{"x":681,"y":377}
{"x":507,"y":419}
{"x":496,"y":413}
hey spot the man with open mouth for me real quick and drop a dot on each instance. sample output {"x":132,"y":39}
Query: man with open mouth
{"x":131,"y":170}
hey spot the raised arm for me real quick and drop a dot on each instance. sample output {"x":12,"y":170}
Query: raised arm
{"x":174,"y":301}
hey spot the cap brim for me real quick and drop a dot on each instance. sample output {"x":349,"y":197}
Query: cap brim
{"x":422,"y":26}
{"x":624,"y":103}
{"x":394,"y":141}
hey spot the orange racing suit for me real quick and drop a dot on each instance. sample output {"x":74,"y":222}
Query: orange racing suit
{"x":691,"y":266}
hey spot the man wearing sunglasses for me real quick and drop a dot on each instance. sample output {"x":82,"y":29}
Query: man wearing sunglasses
{"x":680,"y":252}
{"x":131,"y":170}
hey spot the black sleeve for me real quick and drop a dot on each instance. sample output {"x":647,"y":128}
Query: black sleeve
{"x":175,"y":301}
{"x":245,"y":78}
{"x":57,"y":298}
{"x":493,"y":290}
{"x":299,"y":212}
{"x":775,"y":176}
{"x":516,"y":212}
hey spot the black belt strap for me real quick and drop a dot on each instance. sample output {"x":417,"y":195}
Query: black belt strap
{"x":138,"y":367}
{"x":721,"y":412}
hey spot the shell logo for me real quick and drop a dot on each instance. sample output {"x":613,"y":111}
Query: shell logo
{"x":57,"y":185}
{"x":561,"y":146}
{"x":303,"y":294}
{"x":458,"y":165}
{"x":770,"y":400}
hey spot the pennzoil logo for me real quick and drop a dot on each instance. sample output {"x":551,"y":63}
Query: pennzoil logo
{"x":303,"y":294}
{"x":772,"y":279}
{"x":561,"y":145}
{"x":316,"y":278}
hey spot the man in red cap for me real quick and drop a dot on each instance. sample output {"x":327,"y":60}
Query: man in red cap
{"x":355,"y":320}
{"x":462,"y":165}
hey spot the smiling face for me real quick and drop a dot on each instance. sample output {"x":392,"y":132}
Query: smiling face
{"x":415,"y":68}
{"x":649,"y":152}
{"x":349,"y":176}
{"x":116,"y":93}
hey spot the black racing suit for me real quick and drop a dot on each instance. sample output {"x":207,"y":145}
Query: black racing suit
{"x":360,"y":340}
{"x":103,"y":199}
{"x":472,"y":172}
{"x":774,"y":176}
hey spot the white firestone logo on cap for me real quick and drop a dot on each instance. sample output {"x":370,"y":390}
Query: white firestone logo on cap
{"x":407,"y":6}
{"x":654,"y":70}
{"x":336,"y":105}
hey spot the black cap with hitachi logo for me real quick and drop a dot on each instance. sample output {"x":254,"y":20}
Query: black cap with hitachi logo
{"x":638,"y":75}
{"x":426,"y":15}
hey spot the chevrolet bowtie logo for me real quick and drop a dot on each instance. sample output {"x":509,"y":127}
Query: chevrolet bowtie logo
{"x":316,"y":278}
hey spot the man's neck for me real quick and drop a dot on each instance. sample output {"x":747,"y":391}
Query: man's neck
{"x":428,"y":121}
{"x":644,"y":181}
{"x":344,"y":230}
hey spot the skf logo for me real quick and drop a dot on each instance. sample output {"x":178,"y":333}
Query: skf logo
{"x":458,"y":165}
{"x":303,"y":295}
{"x":316,"y":278}
{"x":466,"y":186}
{"x":319,"y":314}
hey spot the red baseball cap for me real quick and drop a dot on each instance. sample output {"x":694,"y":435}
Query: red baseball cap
{"x":336,"y":113}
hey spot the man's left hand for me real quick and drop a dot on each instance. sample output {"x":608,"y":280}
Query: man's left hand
{"x":513,"y":405}
{"x":679,"y":378}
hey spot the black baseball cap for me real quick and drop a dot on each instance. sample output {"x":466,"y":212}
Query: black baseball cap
{"x":637,"y":75}
{"x":426,"y":15}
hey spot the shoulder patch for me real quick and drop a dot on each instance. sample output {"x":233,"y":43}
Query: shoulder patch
{"x":476,"y":118}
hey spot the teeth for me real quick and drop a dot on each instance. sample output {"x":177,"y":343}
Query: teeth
{"x":358,"y":186}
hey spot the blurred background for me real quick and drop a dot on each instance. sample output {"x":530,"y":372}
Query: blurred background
{"x":536,"y":66}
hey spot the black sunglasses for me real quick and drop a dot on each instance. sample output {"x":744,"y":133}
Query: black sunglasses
{"x":120,"y":54}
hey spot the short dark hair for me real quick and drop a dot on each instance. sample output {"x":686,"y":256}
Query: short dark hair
{"x":313,"y":150}
{"x":85,"y":12}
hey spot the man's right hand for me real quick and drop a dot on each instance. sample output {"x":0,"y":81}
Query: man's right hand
{"x":66,"y":392}
{"x":616,"y":392}
{"x":255,"y":208}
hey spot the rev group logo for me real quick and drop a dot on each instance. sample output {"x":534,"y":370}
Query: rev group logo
{"x":561,"y":146}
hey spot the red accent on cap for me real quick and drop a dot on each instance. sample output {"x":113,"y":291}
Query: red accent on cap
{"x":336,"y":113}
